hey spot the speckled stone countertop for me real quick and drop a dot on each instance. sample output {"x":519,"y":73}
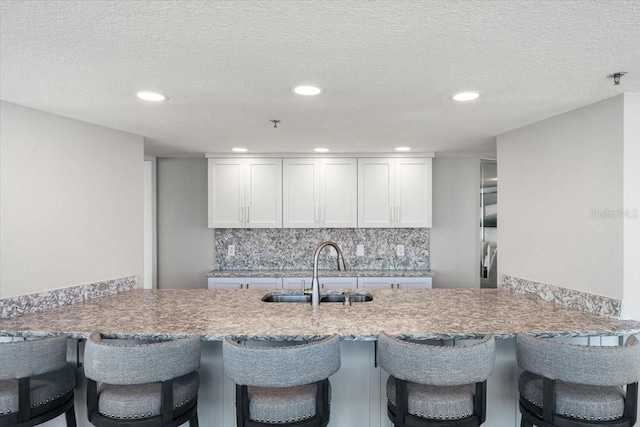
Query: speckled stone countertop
{"x":213,"y":314}
{"x":322,"y":273}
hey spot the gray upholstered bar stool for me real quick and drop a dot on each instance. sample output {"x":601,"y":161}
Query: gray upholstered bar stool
{"x":147,"y":385}
{"x":565,"y":385}
{"x":434,"y":385}
{"x":288,"y":385}
{"x":36,"y":383}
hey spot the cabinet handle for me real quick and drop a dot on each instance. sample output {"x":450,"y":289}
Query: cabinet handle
{"x":391,"y":214}
{"x":398,"y":214}
{"x":315,"y":214}
{"x":247,"y":214}
{"x":241,"y":215}
{"x":322,"y":215}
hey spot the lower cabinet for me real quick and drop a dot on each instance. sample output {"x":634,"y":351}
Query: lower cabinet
{"x":244,"y":283}
{"x":326,"y":283}
{"x":394,"y":282}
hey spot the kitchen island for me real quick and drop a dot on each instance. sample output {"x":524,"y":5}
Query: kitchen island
{"x":358,"y":387}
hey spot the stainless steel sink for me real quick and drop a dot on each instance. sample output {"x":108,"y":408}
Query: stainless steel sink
{"x":286,"y":298}
{"x":341,"y":298}
{"x":332,"y":297}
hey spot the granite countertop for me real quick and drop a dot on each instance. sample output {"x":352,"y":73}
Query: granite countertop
{"x":213,"y":314}
{"x":322,"y":273}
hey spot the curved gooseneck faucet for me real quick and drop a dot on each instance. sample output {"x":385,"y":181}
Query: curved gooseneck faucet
{"x":315,"y":285}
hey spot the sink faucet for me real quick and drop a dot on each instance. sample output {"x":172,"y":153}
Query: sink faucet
{"x":315,"y":285}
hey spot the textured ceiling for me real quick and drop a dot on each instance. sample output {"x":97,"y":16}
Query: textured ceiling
{"x":387,"y":69}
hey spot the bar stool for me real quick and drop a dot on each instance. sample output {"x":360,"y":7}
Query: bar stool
{"x":288,"y":386}
{"x":147,"y":385}
{"x":36,"y":383}
{"x":436,"y":386}
{"x":565,"y":385}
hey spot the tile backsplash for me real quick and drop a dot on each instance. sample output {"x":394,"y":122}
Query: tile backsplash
{"x":293,"y":248}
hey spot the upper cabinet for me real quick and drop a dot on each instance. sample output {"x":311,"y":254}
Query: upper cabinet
{"x":320,"y":192}
{"x":245,"y":193}
{"x":394,"y":192}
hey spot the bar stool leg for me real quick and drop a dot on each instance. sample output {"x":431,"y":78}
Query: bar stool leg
{"x":70,"y":416}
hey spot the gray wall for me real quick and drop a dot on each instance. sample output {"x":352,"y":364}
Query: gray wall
{"x":455,"y":236}
{"x":71,"y":202}
{"x":558,"y":179}
{"x":185,"y":244}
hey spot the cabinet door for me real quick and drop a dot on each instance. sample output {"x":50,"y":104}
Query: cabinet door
{"x":375,"y":192}
{"x":263,"y":193}
{"x":225,"y":282}
{"x":263,"y":283}
{"x":376,"y":282}
{"x":296,"y":283}
{"x":226,"y":193}
{"x":338,"y":193}
{"x":413,"y":283}
{"x":328,"y":283}
{"x":412,"y":193}
{"x":300,"y":193}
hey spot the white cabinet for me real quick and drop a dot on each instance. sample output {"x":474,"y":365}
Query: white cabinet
{"x":320,"y":192}
{"x":394,"y":282}
{"x":296,"y":283}
{"x":245,"y":193}
{"x":244,"y":283}
{"x":394,"y":192}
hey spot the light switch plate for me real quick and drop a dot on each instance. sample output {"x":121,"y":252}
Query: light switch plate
{"x":360,"y":250}
{"x":400,"y":250}
{"x":231,"y":250}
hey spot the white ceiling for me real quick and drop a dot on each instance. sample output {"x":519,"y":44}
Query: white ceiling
{"x":388,"y":69}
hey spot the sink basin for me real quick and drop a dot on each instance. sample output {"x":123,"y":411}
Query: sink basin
{"x":333,"y":297}
{"x":352,"y":298}
{"x":286,"y":298}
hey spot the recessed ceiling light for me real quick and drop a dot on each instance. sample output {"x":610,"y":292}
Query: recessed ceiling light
{"x":307,"y":90}
{"x":403,"y":148}
{"x":321,"y":150}
{"x":466,"y":96}
{"x":239,"y":150}
{"x":151,"y":96}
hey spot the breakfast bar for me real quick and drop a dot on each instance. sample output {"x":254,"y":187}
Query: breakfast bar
{"x":358,"y":387}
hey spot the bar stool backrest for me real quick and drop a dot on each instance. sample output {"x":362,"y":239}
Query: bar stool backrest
{"x":437,"y":365}
{"x":591,"y":365}
{"x":281,"y":366}
{"x":140,"y":364}
{"x":32,"y":357}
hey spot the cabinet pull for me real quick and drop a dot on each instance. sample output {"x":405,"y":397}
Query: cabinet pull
{"x":391,"y":214}
{"x":398,"y":214}
{"x":241,"y":215}
{"x":248,"y":214}
{"x":322,"y":215}
{"x":315,"y":214}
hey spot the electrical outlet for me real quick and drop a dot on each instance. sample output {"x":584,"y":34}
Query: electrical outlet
{"x":231,"y":250}
{"x":360,"y":250}
{"x":400,"y":250}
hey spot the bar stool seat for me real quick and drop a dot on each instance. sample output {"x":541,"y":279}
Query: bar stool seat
{"x":579,"y":401}
{"x":439,"y":403}
{"x":36,"y":384}
{"x":436,"y":386}
{"x":568,"y":385}
{"x":283,"y":385}
{"x":150,"y":384}
{"x":282,"y":404}
{"x":144,"y":400}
